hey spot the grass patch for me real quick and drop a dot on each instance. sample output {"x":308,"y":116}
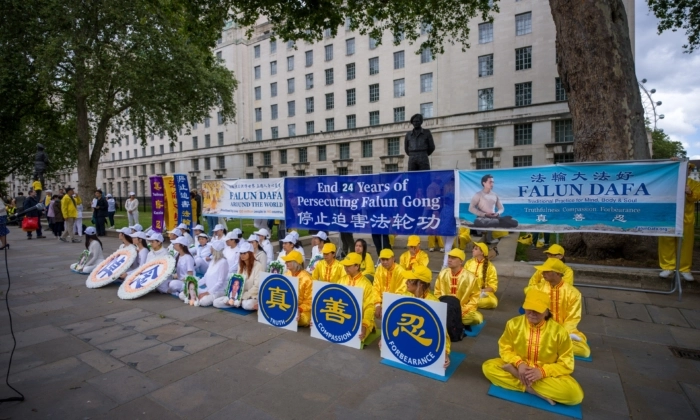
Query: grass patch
{"x":521,"y":252}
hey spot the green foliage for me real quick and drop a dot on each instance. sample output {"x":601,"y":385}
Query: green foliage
{"x":679,"y":14}
{"x":664,"y":148}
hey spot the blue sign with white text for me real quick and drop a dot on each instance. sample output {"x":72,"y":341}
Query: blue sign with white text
{"x":277,"y":300}
{"x":400,"y":203}
{"x":413,"y":332}
{"x":184,"y":207}
{"x":336,"y":313}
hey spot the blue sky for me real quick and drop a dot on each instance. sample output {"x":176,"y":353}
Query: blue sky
{"x":674,"y":74}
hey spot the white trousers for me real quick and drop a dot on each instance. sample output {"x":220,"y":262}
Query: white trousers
{"x":200,"y":265}
{"x":171,"y":286}
{"x":86,"y":269}
{"x":78,"y":226}
{"x":448,"y":247}
{"x":207,"y":300}
{"x":133,"y":217}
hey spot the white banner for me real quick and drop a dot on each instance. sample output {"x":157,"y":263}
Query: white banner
{"x":244,"y":198}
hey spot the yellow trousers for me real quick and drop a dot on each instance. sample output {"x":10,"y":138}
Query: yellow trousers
{"x":562,"y":389}
{"x":472,"y":318}
{"x":391,"y":240}
{"x":488,"y":302}
{"x":668,"y":246}
{"x":435,"y":242}
{"x":304,"y":319}
{"x":581,"y":348}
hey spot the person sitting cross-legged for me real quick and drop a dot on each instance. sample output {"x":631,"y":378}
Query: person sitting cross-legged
{"x":456,"y":281}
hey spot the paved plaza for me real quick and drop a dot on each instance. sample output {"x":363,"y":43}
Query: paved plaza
{"x":85,"y":353}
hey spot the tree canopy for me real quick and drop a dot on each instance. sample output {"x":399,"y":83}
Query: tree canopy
{"x":665,"y":148}
{"x":679,"y":14}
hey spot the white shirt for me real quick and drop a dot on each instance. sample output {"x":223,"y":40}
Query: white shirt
{"x":215,"y":278}
{"x":184,"y":264}
{"x":143,"y":256}
{"x":267,"y":247}
{"x":202,"y":252}
{"x":190,"y":240}
{"x":233,"y":256}
{"x":132,"y":205}
{"x":153,"y":255}
{"x":96,"y":255}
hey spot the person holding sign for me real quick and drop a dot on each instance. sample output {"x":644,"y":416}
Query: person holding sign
{"x":328,"y":270}
{"x":485,"y":274}
{"x":414,"y":255}
{"x":354,"y":277}
{"x":554,"y":251}
{"x":295,"y":268}
{"x":536,"y":355}
{"x":184,"y":264}
{"x":94,"y":246}
{"x":250,"y":269}
{"x":211,"y":285}
{"x":456,"y":281}
{"x":388,"y":279}
{"x":565,"y":302}
{"x":157,"y":250}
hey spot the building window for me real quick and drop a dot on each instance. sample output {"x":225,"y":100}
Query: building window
{"x":519,"y":161}
{"x":302,"y":154}
{"x":292,"y":130}
{"x":366,"y":170}
{"x":486,"y":65}
{"x":220,"y":139}
{"x":350,"y":46}
{"x":207,"y":122}
{"x":153,"y":168}
{"x":426,"y":110}
{"x":348,"y":23}
{"x":400,"y":114}
{"x":329,"y":52}
{"x":256,"y":51}
{"x":290,"y":45}
{"x":219,"y":56}
{"x":374,"y":118}
{"x":275,"y":132}
{"x":374,"y":92}
{"x":172,"y":167}
{"x":485,"y":137}
{"x":563,"y":157}
{"x":127,"y":154}
{"x":195,"y":143}
{"x":392,"y":146}
{"x":273,"y":68}
{"x":485,"y":33}
{"x":426,"y":82}
{"x":273,"y":47}
{"x":273,"y":89}
{"x":523,"y":94}
{"x":391,"y":167}
{"x":291,"y":109}
{"x":523,"y":23}
{"x":309,"y":81}
{"x":249,"y":176}
{"x":426,"y":56}
{"x":425,"y":28}
{"x":301,"y":172}
{"x":373,"y":43}
{"x":221,"y":162}
{"x":329,"y":76}
{"x":290,"y":85}
{"x":560,"y":92}
{"x":264,"y":175}
{"x":321,"y":151}
{"x":351,"y":121}
{"x":162,"y":168}
{"x":258,"y":114}
{"x":309,"y":105}
{"x":366,"y":148}
{"x":258,"y":134}
{"x":563,"y":131}
{"x":162,"y":148}
{"x":153,"y":150}
{"x":350,"y":69}
{"x":399,"y":60}
{"x":249,"y":159}
{"x":283,"y":156}
{"x":257,"y":72}
{"x":523,"y":58}
{"x":344,"y":150}
{"x":350,"y":97}
{"x":373,"y":65}
{"x":522,"y":134}
{"x":330,"y":124}
{"x":207,"y":140}
{"x":207,"y":164}
{"x":309,"y":58}
{"x":485,"y":99}
{"x":172,"y":147}
{"x":398,"y":37}
{"x":321,"y":171}
{"x":273,"y":111}
{"x":484,"y":163}
{"x":219,"y":118}
{"x":310,"y":127}
{"x":290,"y":63}
{"x":283,"y":174}
{"x":399,"y":88}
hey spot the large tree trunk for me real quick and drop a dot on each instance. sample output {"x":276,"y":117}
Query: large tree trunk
{"x":87,"y":169}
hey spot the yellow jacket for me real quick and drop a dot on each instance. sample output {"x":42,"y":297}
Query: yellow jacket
{"x":193,"y":206}
{"x":367,"y":298}
{"x":328,"y":274}
{"x":475,"y":267}
{"x":389,"y":281}
{"x":689,"y":210}
{"x":367,"y":266}
{"x":36,"y":185}
{"x":463,"y":286}
{"x":407,"y":261}
{"x":305,"y":283}
{"x":565,"y":305}
{"x":68,"y":208}
{"x":538,"y":278}
{"x":546,"y":346}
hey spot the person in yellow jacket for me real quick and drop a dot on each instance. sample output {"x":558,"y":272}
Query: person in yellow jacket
{"x":295,"y":268}
{"x":418,"y":285}
{"x":554,"y":251}
{"x":329,"y":269}
{"x":536,"y":355}
{"x":367,"y":266}
{"x":414,"y":255}
{"x":435,"y":241}
{"x":669,"y":245}
{"x":354,"y":277}
{"x":486,"y":276}
{"x":565,"y":303}
{"x":69,"y":209}
{"x":456,"y":281}
{"x":388,"y":278}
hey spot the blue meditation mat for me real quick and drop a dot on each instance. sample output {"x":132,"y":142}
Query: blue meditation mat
{"x":474,"y":330}
{"x":521,"y":311}
{"x":238,"y":311}
{"x":584,"y":359}
{"x":371,"y":338}
{"x":455,"y":360}
{"x":534,"y":401}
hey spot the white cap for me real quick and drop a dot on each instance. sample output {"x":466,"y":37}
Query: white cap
{"x":138,"y":234}
{"x":181,"y":240}
{"x":237,"y":232}
{"x":230,"y":235}
{"x":203,"y":235}
{"x":262,"y":232}
{"x":253,"y":237}
{"x":148,"y":231}
{"x":198,"y":227}
{"x":90,"y":230}
{"x":244,"y":247}
{"x":219,"y":227}
{"x":218,"y":245}
{"x":290,"y":238}
{"x":156,"y":237}
{"x":182,"y":226}
{"x":132,"y":193}
{"x":108,"y":195}
{"x":295,"y":234}
{"x":176,"y":232}
{"x":126,"y":230}
{"x":321,"y":235}
{"x":137,"y":227}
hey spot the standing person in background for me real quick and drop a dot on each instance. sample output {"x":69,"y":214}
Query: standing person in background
{"x":94,"y":212}
{"x":29,"y":202}
{"x":49,"y":211}
{"x":59,"y":223}
{"x":3,"y":225}
{"x":69,"y":210}
{"x":100,"y":213}
{"x":348,"y":242}
{"x":78,"y":229}
{"x":194,"y":206}
{"x":198,"y":198}
{"x":132,"y":209}
{"x":111,"y":209}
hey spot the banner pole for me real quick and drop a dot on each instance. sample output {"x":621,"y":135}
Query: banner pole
{"x":677,"y":274}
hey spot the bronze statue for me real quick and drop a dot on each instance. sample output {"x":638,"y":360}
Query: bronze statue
{"x":41,"y":163}
{"x":418,"y":145}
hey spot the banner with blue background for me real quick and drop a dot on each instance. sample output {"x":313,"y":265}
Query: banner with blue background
{"x":184,"y":207}
{"x":278,"y":301}
{"x":401,"y":203}
{"x":643,"y":198}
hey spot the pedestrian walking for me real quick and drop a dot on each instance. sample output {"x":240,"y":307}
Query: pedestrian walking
{"x":78,"y":229}
{"x":100,"y":213}
{"x":3,"y":225}
{"x":58,"y":220}
{"x":30,"y":202}
{"x":69,"y":210}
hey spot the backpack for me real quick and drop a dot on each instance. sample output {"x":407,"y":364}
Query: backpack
{"x":455,"y":329}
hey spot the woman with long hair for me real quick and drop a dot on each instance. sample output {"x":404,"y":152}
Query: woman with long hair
{"x":140,"y":242}
{"x":317,"y":242}
{"x":250,"y":269}
{"x":94,"y":245}
{"x":259,"y":253}
{"x":58,"y":220}
{"x":127,"y":241}
{"x":367,"y":266}
{"x":485,"y":273}
{"x":184,"y":264}
{"x":211,"y":287}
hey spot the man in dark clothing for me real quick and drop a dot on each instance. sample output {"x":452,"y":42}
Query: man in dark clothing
{"x":41,"y":163}
{"x":198,"y":198}
{"x":101,"y":213}
{"x":29,"y":202}
{"x":418,"y":145}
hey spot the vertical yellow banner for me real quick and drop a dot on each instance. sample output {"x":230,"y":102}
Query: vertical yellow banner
{"x":170,"y":203}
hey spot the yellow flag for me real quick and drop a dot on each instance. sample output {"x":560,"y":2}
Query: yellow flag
{"x":170,"y":203}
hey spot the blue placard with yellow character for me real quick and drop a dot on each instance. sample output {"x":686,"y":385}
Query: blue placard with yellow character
{"x":278,"y":301}
{"x":413,"y":332}
{"x":336,"y":313}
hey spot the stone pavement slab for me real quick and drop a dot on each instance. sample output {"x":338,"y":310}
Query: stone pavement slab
{"x":633,"y":311}
{"x":100,"y":361}
{"x":692,"y":391}
{"x":148,"y":323}
{"x":142,"y":408}
{"x":600,"y":307}
{"x":123,"y":384}
{"x":651,"y":403}
{"x":197,"y":341}
{"x":692,"y":316}
{"x":667,"y":316}
{"x":107,"y":334}
{"x":170,"y":331}
{"x":154,"y":357}
{"x":30,"y":337}
{"x":89,"y":325}
{"x":686,"y":337}
{"x":128,"y":345}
